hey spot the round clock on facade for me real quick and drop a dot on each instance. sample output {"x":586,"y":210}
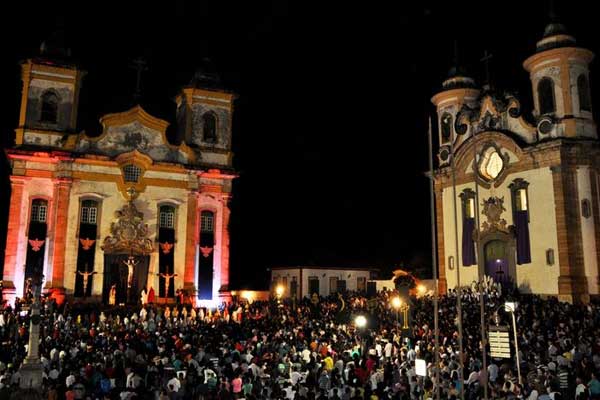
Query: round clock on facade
{"x":491,"y":164}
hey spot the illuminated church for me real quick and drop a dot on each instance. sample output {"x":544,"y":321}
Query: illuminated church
{"x":525,"y":205}
{"x":127,"y":210}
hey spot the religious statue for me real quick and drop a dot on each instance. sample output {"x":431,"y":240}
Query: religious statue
{"x":112,"y":295}
{"x":130,"y":264}
{"x":167,"y":277}
{"x":86,"y":274}
{"x":144,"y":296}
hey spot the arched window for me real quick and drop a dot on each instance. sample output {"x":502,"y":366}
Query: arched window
{"x":546,"y":96}
{"x":207,"y":221}
{"x":39,"y":210}
{"x":49,"y":107}
{"x":468,"y":199}
{"x":583,"y":89}
{"x":209,"y":127}
{"x":519,"y":189}
{"x":89,"y":212}
{"x":166,"y":217}
{"x":446,"y":127}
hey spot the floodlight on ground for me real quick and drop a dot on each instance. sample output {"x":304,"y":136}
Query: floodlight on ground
{"x":360,"y":321}
{"x":279,"y":290}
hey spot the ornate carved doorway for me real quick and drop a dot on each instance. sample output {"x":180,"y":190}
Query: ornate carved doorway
{"x":116,"y":273}
{"x":126,"y":255}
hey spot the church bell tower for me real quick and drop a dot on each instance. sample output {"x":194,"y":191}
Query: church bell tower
{"x":559,"y":73}
{"x":50,"y":96}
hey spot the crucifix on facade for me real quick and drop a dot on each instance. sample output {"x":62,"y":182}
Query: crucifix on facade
{"x":131,"y":263}
{"x":86,"y":274}
{"x":167,"y":277}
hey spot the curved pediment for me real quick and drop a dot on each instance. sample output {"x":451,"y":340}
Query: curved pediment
{"x":507,"y":148}
{"x":135,"y":130}
{"x":495,"y":113}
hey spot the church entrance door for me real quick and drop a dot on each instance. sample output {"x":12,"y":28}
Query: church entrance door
{"x":116,"y":273}
{"x":496,"y":261}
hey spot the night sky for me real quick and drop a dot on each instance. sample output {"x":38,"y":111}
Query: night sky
{"x":330,"y":128}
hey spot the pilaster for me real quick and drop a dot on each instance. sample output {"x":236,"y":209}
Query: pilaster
{"x":62,"y":191}
{"x":572,"y":282}
{"x":16,"y":218}
{"x":191,"y":240}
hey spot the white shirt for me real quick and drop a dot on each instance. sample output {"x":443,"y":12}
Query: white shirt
{"x":175,"y":383}
{"x":70,"y":380}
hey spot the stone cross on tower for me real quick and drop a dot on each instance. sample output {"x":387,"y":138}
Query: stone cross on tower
{"x":487,"y":57}
{"x":140,"y":65}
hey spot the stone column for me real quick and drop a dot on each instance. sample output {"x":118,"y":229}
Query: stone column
{"x":572,"y":283}
{"x":191,"y":239}
{"x":14,"y":235}
{"x":61,"y":206}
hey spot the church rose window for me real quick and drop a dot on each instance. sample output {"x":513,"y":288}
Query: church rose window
{"x":132,"y":173}
{"x":491,"y":164}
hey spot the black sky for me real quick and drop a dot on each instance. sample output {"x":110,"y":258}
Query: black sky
{"x":330,"y":124}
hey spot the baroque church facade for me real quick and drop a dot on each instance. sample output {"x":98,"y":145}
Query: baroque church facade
{"x":124,"y":211}
{"x":517,"y":197}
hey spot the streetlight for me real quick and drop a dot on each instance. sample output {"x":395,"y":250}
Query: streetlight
{"x":511,"y":307}
{"x":360,"y":321}
{"x":279,"y":291}
{"x":396,"y":303}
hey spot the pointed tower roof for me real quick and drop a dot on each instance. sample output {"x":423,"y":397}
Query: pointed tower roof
{"x":555,"y":34}
{"x":206,"y":76}
{"x":458,"y":77}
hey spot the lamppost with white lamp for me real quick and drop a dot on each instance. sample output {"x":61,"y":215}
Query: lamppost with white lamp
{"x":511,"y":307}
{"x":396,"y":304}
{"x":361,"y":322}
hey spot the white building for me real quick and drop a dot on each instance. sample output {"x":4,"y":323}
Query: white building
{"x":304,"y":281}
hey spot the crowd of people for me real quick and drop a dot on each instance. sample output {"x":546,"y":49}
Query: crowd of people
{"x":305,"y":350}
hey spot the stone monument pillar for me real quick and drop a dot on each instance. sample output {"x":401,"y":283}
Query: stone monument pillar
{"x":32,"y":369}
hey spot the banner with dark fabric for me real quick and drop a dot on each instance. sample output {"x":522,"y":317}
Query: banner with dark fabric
{"x":36,"y":248}
{"x":522,"y":232}
{"x":206,"y":265}
{"x":166,"y":259}
{"x":468,"y":245}
{"x":85,"y":259}
{"x":116,"y":273}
